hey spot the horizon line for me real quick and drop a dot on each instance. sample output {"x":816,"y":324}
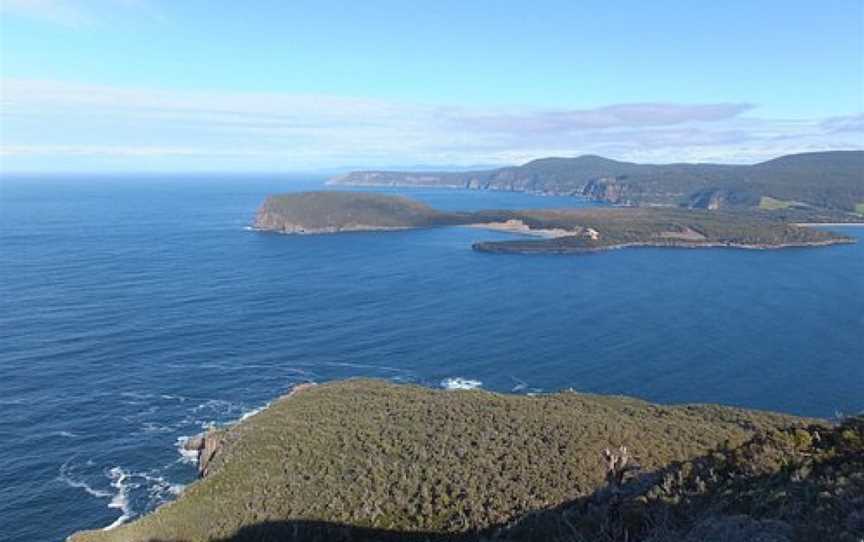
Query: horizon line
{"x":337,"y":170}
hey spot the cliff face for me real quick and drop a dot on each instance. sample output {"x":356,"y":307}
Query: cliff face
{"x":608,"y":189}
{"x":713,"y":199}
{"x":270,"y":219}
{"x":206,"y":446}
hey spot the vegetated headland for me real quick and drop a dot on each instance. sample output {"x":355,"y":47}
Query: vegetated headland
{"x":367,"y":460}
{"x":821,"y":183}
{"x":553,"y":231}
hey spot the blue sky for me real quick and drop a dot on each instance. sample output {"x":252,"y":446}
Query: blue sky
{"x":144,"y":85}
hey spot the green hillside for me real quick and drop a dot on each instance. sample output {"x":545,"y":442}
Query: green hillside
{"x":370,"y":460}
{"x":327,"y":212}
{"x":566,"y":230}
{"x":827,"y":180}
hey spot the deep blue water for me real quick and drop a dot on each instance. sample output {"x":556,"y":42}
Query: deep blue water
{"x":139,"y":310}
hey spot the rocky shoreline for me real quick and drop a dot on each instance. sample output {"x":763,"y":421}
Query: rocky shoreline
{"x":207,"y":445}
{"x":204,"y":446}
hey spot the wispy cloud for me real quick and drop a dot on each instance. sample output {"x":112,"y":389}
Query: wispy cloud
{"x":116,"y":151}
{"x":72,"y":13}
{"x":131,"y":127}
{"x":848,"y":123}
{"x":63,"y":12}
{"x":627,"y":115}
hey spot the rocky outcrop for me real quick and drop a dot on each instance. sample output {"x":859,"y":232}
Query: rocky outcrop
{"x":607,"y":189}
{"x":713,"y":199}
{"x":206,"y":445}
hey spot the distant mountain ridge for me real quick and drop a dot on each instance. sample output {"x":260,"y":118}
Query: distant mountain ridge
{"x":826,"y":180}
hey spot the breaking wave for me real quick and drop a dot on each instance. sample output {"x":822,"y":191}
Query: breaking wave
{"x":458,"y":383}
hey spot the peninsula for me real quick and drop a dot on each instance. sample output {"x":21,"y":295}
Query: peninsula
{"x":552,"y":231}
{"x":828,"y":182}
{"x":368,"y":460}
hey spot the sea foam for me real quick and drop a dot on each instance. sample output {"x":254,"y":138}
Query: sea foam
{"x":64,"y":476}
{"x":120,"y":500}
{"x":458,"y":383}
{"x":186,"y":456}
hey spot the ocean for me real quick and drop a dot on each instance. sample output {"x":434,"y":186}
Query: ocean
{"x":139,"y":310}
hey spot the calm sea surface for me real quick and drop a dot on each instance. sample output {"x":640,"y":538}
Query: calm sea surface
{"x":136,"y":311}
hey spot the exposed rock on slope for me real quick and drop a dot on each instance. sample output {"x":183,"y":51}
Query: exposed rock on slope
{"x":205,"y":447}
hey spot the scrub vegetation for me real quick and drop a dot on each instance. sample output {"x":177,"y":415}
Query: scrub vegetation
{"x":573,"y":230}
{"x":604,"y":228}
{"x":370,"y":460}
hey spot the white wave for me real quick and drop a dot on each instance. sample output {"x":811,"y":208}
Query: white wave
{"x":520,"y":384}
{"x":64,"y":477}
{"x":155,"y":427}
{"x":252,"y":412}
{"x":186,"y":456}
{"x":176,"y":489}
{"x":132,"y":418}
{"x":160,"y":489}
{"x":120,"y":500}
{"x":458,"y":383}
{"x":65,"y":434}
{"x":117,"y":522}
{"x":136,"y":395}
{"x":219,"y":406}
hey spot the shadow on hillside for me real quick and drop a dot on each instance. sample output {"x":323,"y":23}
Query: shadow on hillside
{"x":705,"y":501}
{"x":322,"y":531}
{"x":605,"y":515}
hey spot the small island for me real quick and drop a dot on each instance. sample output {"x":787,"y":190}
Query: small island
{"x":555,"y":231}
{"x":332,"y":212}
{"x":368,"y":460}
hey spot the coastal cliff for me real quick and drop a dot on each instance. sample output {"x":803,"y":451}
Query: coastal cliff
{"x":204,"y":446}
{"x":365,"y":460}
{"x":827,"y":182}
